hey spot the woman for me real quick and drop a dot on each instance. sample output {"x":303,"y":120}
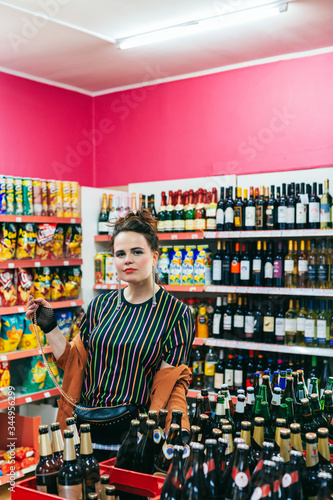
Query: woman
{"x":134,"y":344}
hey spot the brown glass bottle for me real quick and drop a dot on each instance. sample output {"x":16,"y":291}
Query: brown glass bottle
{"x":70,"y":476}
{"x":144,"y":455}
{"x":57,"y":443}
{"x":200,"y":213}
{"x":163,"y":460}
{"x":70,"y":422}
{"x":47,"y":468}
{"x":280,"y":423}
{"x":105,"y":481}
{"x":90,"y":468}
{"x":258,"y":438}
{"x":325,"y":464}
{"x":310,"y":482}
{"x":126,"y":452}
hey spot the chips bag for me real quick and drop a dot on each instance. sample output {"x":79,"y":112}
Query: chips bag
{"x":35,"y":377}
{"x":45,"y":235}
{"x":4,"y":379}
{"x":72,"y":282}
{"x":77,"y":321}
{"x":73,"y":241}
{"x":57,"y":286}
{"x":8,"y":241}
{"x":7,"y":288}
{"x":26,"y":241}
{"x":49,"y":384}
{"x":28,"y":339}
{"x":24,"y":285}
{"x":58,"y":242}
{"x":42,"y":283}
{"x":65,"y":322}
{"x":12,"y":327}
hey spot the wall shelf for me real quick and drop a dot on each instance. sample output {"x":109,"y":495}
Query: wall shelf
{"x":55,"y":305}
{"x":40,"y":219}
{"x":28,"y":353}
{"x":35,"y":263}
{"x":29,"y":398}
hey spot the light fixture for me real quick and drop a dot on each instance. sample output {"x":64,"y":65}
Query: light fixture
{"x":227,"y":18}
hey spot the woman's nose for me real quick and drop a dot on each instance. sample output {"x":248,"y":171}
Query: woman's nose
{"x":128,"y":259}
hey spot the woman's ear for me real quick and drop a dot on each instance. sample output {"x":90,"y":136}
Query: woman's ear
{"x":155,"y":258}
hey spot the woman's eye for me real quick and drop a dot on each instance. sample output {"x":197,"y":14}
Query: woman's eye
{"x":137,"y":252}
{"x":119,"y":254}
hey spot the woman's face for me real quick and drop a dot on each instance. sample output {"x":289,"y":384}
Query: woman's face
{"x":134,"y":259}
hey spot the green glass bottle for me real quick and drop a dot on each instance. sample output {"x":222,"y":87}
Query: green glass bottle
{"x":308,"y":423}
{"x":269,"y":430}
{"x":317,"y":411}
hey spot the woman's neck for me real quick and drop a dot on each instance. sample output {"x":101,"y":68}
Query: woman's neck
{"x":136,"y":293}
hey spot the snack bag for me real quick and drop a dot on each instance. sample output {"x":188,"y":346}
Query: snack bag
{"x":57,"y":286}
{"x":26,"y":241}
{"x":49,"y":384}
{"x":42,"y":283}
{"x":28,"y":339}
{"x":35,"y":378}
{"x":78,"y":315}
{"x":24,"y":285}
{"x":4,"y":379}
{"x":12,"y":327}
{"x":45,"y":235}
{"x":65,"y":322}
{"x":58,"y":242}
{"x":73,"y":241}
{"x":73,"y":282}
{"x":8,"y":241}
{"x":7,"y":289}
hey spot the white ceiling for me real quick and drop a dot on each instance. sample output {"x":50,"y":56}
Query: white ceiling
{"x":70,"y":43}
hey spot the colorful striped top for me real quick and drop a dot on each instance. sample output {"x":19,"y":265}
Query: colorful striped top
{"x":126,"y":346}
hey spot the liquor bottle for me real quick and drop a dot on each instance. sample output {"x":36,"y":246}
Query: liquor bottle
{"x":269,"y":323}
{"x":322,"y":265}
{"x":250,"y":213}
{"x":57,"y":443}
{"x":47,"y":468}
{"x":226,"y":264}
{"x":310,"y":336}
{"x":290,"y":325}
{"x":217,"y":265}
{"x":302,"y":267}
{"x":228,"y":319}
{"x":213,"y":473}
{"x":229,"y":373}
{"x":322,"y":327}
{"x":310,"y":481}
{"x":173,"y":484}
{"x":220,"y":212}
{"x":239,"y":374}
{"x":198,"y":410}
{"x":291,"y":481}
{"x":200,"y":213}
{"x":198,"y":369}
{"x":271,"y":210}
{"x":290,"y":267}
{"x":268,"y":265}
{"x":89,"y":465}
{"x":248,"y":320}
{"x":195,"y":487}
{"x":144,"y":455}
{"x":324,"y":486}
{"x":210,"y":364}
{"x":103,"y":218}
{"x":219,"y":372}
{"x":278,"y":267}
{"x":239,"y":321}
{"x":245,"y":266}
{"x":179,"y":214}
{"x":301,"y":209}
{"x":217,"y":319}
{"x":258,"y":322}
{"x":229,"y":223}
{"x":239,"y":211}
{"x":161,"y":214}
{"x":325,"y":208}
{"x":308,"y":423}
{"x":291,"y":208}
{"x":235,"y":266}
{"x":105,"y":482}
{"x":325,"y":464}
{"x":126,"y":452}
{"x":314,"y":208}
{"x":282,"y":209}
{"x":260,"y":211}
{"x":169,"y":215}
{"x":70,"y":422}
{"x":70,"y":477}
{"x":280,"y":326}
{"x":257,"y":267}
{"x":211,"y":212}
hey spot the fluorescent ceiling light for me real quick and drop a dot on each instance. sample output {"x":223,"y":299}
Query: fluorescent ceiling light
{"x":200,"y":25}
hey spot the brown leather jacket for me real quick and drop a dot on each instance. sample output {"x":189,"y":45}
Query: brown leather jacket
{"x":169,"y":389}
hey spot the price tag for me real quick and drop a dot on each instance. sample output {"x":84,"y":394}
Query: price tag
{"x":211,"y":288}
{"x":3,"y":358}
{"x":28,"y":399}
{"x":104,"y":287}
{"x":73,"y":221}
{"x":174,"y":236}
{"x":18,"y":219}
{"x":232,"y":344}
{"x":21,"y":309}
{"x":194,"y":236}
{"x":66,"y":263}
{"x":193,"y":289}
{"x":47,"y":395}
{"x":97,"y":287}
{"x":11,"y":265}
{"x":73,"y":304}
{"x":37,"y":264}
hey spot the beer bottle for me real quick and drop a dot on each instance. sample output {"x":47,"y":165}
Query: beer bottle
{"x":126,"y":452}
{"x":163,"y":460}
{"x":222,"y":445}
{"x":289,"y":390}
{"x":290,"y":412}
{"x":173,"y":484}
{"x":194,"y":485}
{"x":325,"y":464}
{"x":264,"y":487}
{"x":239,"y":414}
{"x":263,"y":392}
{"x":105,"y":481}
{"x":47,"y":467}
{"x":246,"y":435}
{"x":219,"y":410}
{"x":227,"y":435}
{"x":327,"y":406}
{"x":89,"y":464}
{"x":57,"y":443}
{"x":227,"y":415}
{"x":205,"y":428}
{"x":325,"y":486}
{"x":257,"y":408}
{"x":310,"y":481}
{"x":291,"y":480}
{"x":216,"y":433}
{"x":266,"y":454}
{"x":313,"y":386}
{"x":213,"y":473}
{"x":142,"y":417}
{"x":144,"y":455}
{"x":268,"y":427}
{"x":296,"y":443}
{"x":280,"y":423}
{"x":277,"y":475}
{"x":267,"y":384}
{"x":207,"y":409}
{"x":111,"y":493}
{"x":92,"y":496}
{"x":70,"y":422}
{"x":198,"y":410}
{"x":249,"y":403}
{"x":258,"y":438}
{"x":307,"y":424}
{"x":238,"y":487}
{"x":275,"y":404}
{"x":317,"y":411}
{"x":70,"y":475}
{"x":285,"y":447}
{"x":161,"y":421}
{"x":275,"y":380}
{"x":195,"y":431}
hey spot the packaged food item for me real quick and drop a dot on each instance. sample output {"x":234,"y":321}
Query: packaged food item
{"x":73,"y":241}
{"x":35,"y":378}
{"x":7,"y":466}
{"x":49,"y":384}
{"x":57,"y":286}
{"x":45,"y":235}
{"x":200,"y":267}
{"x":23,"y":452}
{"x":110,"y":270}
{"x":51,"y":197}
{"x":58,"y":242}
{"x":8,"y":240}
{"x":175,"y":276}
{"x":66,"y":199}
{"x":18,"y":188}
{"x":65,"y":323}
{"x":2,"y":194}
{"x":59,"y":212}
{"x":209,"y":258}
{"x":37,"y":196}
{"x":75,"y":199}
{"x":4,"y":379}
{"x":188,"y":265}
{"x":28,"y":200}
{"x":78,"y":316}
{"x":72,"y":282}
{"x":24,"y":285}
{"x":42,"y":283}
{"x":163,"y":266}
{"x":45,"y":207}
{"x":7,"y":288}
{"x":26,"y":241}
{"x":10,"y":196}
{"x":99,"y":263}
{"x":12,"y":326}
{"x":28,"y":339}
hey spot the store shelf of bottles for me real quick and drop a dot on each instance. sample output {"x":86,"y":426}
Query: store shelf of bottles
{"x":55,"y":305}
{"x":192,"y":393}
{"x":30,"y":398}
{"x":40,"y":219}
{"x":305,"y":292}
{"x":12,"y":264}
{"x":277,"y":233}
{"x":109,"y":286}
{"x":102,"y":237}
{"x":184,"y":288}
{"x":197,"y":235}
{"x":7,"y":478}
{"x":28,"y":353}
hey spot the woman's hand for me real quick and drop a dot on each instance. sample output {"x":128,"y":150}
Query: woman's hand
{"x":33,"y":306}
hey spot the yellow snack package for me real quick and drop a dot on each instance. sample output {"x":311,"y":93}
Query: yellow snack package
{"x":4,"y":379}
{"x":72,"y":282}
{"x":73,"y":241}
{"x":12,"y":327}
{"x":45,"y":235}
{"x":35,"y":378}
{"x":49,"y":384}
{"x":8,"y":295}
{"x":42,"y":283}
{"x":57,"y":286}
{"x":58,"y":242}
{"x":8,"y":241}
{"x":26,"y":241}
{"x":28,"y":339}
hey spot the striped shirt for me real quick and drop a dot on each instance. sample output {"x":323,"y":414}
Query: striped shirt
{"x":126,"y":346}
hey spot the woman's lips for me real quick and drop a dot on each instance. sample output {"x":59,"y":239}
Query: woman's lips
{"x":130,"y":270}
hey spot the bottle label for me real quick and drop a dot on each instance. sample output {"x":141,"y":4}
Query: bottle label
{"x":238,"y":217}
{"x":290,"y":216}
{"x":73,"y":491}
{"x":314,"y":212}
{"x":322,"y":272}
{"x":211,"y":224}
{"x":241,"y":478}
{"x":227,"y":322}
{"x":157,"y":436}
{"x":325,"y":212}
{"x":309,"y":331}
{"x":211,"y":212}
{"x":168,"y":225}
{"x":217,"y":270}
{"x":229,"y":377}
{"x":270,"y":212}
{"x":250,"y":216}
{"x":249,"y":326}
{"x":301,"y":210}
{"x":245,"y":270}
{"x":220,"y":216}
{"x":190,"y":225}
{"x":229,"y":215}
{"x":238,"y":321}
{"x":200,"y":224}
{"x":218,"y":381}
{"x":261,"y":492}
{"x":238,"y":378}
{"x":277,"y":269}
{"x":260,"y":216}
{"x":179,"y":224}
{"x":268,"y":270}
{"x":282,"y":215}
{"x":289,"y":266}
{"x":321,"y":331}
{"x":312,"y":272}
{"x":300,"y":324}
{"x":290,"y":325}
{"x":197,"y":367}
{"x":303,"y":266}
{"x":167,"y":450}
{"x":210,"y":368}
{"x":160,"y":226}
{"x":235,"y":267}
{"x":216,"y":323}
{"x":256,"y":265}
{"x":103,"y":227}
{"x":279,"y":327}
{"x":268,"y":324}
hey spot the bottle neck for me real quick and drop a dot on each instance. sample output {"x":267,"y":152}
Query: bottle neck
{"x":69,"y":451}
{"x":323,"y":448}
{"x":44,"y":446}
{"x":86,"y":446}
{"x":57,"y":441}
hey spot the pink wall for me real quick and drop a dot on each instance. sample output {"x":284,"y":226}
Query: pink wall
{"x":272,"y":117}
{"x":44,"y":131}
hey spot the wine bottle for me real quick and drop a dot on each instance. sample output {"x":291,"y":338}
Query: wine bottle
{"x":219,"y":373}
{"x":89,"y":465}
{"x":162,"y":214}
{"x":260,"y":211}
{"x":302,"y":267}
{"x":301,"y":209}
{"x":245,"y":266}
{"x":271,"y":211}
{"x":290,"y":267}
{"x":250,"y":213}
{"x":268,"y":265}
{"x":200,"y":213}
{"x":226,"y":264}
{"x":239,"y":211}
{"x":278,"y":267}
{"x":217,"y":265}
{"x":257,"y":267}
{"x":70,"y":477}
{"x":229,"y":221}
{"x":217,"y":319}
{"x":282,"y":209}
{"x":47,"y":468}
{"x":280,"y":326}
{"x":290,"y":325}
{"x":322,"y":265}
{"x":249,"y":321}
{"x":169,"y":215}
{"x":325,"y":208}
{"x":103,"y":217}
{"x":291,"y":208}
{"x":220,"y":212}
{"x":322,"y":327}
{"x":314,"y":208}
{"x":235,"y":266}
{"x":310,"y":336}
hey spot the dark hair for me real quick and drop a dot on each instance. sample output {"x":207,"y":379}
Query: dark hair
{"x":141,"y":222}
